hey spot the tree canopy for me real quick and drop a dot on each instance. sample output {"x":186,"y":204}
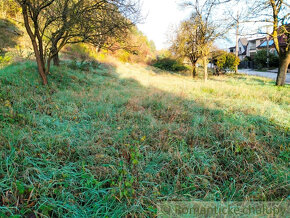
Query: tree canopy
{"x":196,"y":35}
{"x":53,"y":24}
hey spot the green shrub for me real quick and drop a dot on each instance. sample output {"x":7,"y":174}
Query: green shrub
{"x":232,"y":61}
{"x":169,"y":64}
{"x":261,"y":59}
{"x":227,"y":61}
{"x":221,"y":61}
{"x":83,"y":65}
{"x":82,"y":57}
{"x":79,"y":52}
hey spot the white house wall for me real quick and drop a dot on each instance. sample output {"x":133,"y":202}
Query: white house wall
{"x":241,"y":48}
{"x":241,"y":51}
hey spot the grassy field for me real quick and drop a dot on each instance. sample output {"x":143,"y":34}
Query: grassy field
{"x":116,"y":140}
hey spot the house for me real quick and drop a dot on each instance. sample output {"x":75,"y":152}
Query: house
{"x":243,"y":42}
{"x":247,"y":47}
{"x":264,"y":43}
{"x":232,"y":49}
{"x":282,"y":42}
{"x":252,"y":46}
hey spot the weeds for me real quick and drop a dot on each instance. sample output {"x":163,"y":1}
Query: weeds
{"x":114,"y":141}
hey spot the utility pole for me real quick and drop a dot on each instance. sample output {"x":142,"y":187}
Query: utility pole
{"x":237,"y":38}
{"x":268,"y":54}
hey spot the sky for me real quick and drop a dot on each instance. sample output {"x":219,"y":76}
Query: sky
{"x":160,"y":16}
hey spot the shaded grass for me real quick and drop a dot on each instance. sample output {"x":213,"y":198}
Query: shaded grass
{"x":9,"y":35}
{"x":114,"y":141}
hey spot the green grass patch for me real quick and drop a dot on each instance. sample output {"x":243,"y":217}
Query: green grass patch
{"x":116,"y":140}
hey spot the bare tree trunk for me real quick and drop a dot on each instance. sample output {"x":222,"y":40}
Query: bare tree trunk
{"x":283,"y":68}
{"x":205,"y":68}
{"x":216,"y":71}
{"x":38,"y":56}
{"x":56,"y":60}
{"x":48,"y":62}
{"x":40,"y":48}
{"x":55,"y":54}
{"x":194,"y":70}
{"x":39,"y":61}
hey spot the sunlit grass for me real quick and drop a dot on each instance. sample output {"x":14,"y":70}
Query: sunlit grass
{"x":248,"y":94}
{"x":116,"y":140}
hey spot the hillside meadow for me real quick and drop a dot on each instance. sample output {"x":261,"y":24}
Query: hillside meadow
{"x":113,"y":141}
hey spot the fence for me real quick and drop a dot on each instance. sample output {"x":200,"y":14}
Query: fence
{"x":247,"y":64}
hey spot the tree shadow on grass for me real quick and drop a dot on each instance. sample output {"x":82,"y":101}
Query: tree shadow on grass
{"x":158,"y":70}
{"x":258,"y":81}
{"x":100,"y":140}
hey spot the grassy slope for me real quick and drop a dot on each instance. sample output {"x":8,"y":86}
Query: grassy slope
{"x":115,"y":141}
{"x":9,"y":34}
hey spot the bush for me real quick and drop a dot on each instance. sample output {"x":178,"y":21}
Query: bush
{"x":79,"y":52}
{"x":227,"y":61}
{"x":124,"y":56}
{"x":84,"y":65}
{"x":232,"y":61}
{"x":261,"y":59}
{"x":82,"y":57}
{"x":221,"y":61}
{"x":169,"y":64}
{"x":5,"y":60}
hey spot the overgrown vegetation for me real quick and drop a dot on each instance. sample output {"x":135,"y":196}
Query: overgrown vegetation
{"x":261,"y":59}
{"x":5,"y":60}
{"x":9,"y":35}
{"x":111,"y":138}
{"x":194,"y":38}
{"x":137,"y":48}
{"x":169,"y":64}
{"x":226,"y":61}
{"x":53,"y":24}
{"x":115,"y":140}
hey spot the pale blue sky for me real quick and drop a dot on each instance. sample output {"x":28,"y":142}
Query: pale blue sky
{"x":162,"y":15}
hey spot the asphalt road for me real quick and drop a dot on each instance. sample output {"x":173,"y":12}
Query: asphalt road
{"x":270,"y":75}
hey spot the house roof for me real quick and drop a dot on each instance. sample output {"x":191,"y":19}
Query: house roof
{"x":244,"y":53}
{"x":261,"y":38}
{"x":264,"y":44}
{"x":244,"y":41}
{"x":282,"y":42}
